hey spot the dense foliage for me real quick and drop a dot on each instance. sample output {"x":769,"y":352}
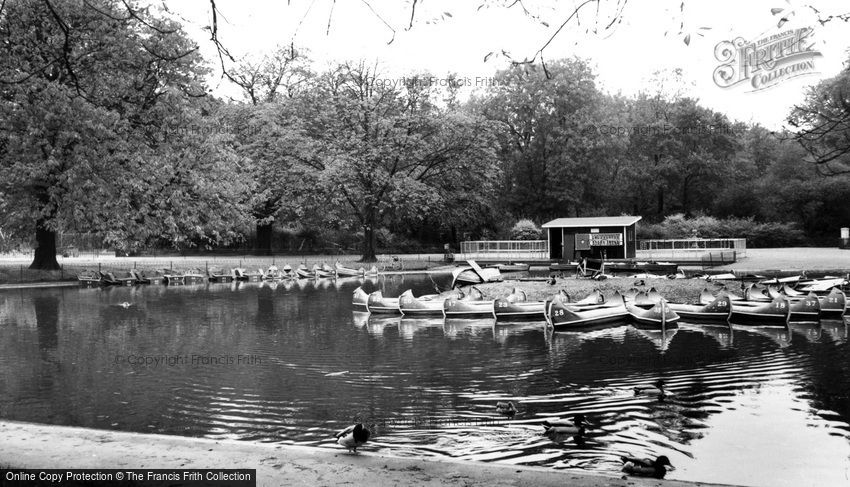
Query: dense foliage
{"x":88,"y":100}
{"x":526,"y":230}
{"x":758,"y":234}
{"x":107,"y":128}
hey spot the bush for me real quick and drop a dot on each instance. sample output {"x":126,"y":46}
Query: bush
{"x":758,"y":234}
{"x":526,"y":230}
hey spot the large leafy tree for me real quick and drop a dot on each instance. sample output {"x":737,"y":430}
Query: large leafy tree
{"x":271,"y":134}
{"x":823,"y":124}
{"x":678,"y":150}
{"x":394,"y":153}
{"x":550,"y":138}
{"x":104,"y":129}
{"x":793,"y":190}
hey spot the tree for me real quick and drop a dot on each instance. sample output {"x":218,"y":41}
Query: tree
{"x":392,"y":151}
{"x":792,"y":190}
{"x":823,"y":124}
{"x":271,"y":134}
{"x":549,"y":137}
{"x":678,"y":148}
{"x":525,"y":230}
{"x":739,"y":194}
{"x":103,"y":129}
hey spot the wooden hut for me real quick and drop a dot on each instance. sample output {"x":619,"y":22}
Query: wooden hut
{"x":601,"y":237}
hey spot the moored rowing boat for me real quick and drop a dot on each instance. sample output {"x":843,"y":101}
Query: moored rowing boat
{"x":517,"y":306}
{"x":718,"y":310}
{"x":706,"y":297}
{"x":659,"y":315}
{"x":360,"y":300}
{"x":89,"y":278}
{"x":342,"y":271}
{"x":428,"y":305}
{"x":324,"y":271}
{"x":834,"y":304}
{"x":216,"y":274}
{"x":378,"y":303}
{"x":471,"y":305}
{"x":805,"y":309}
{"x":517,"y":267}
{"x":561,"y":314}
{"x":304,"y":273}
{"x":776,"y":312}
{"x":474,"y":274}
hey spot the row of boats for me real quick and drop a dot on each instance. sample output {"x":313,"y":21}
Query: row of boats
{"x":217,"y":274}
{"x":760,"y":305}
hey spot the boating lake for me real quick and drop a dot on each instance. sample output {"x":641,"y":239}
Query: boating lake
{"x":292,"y":363}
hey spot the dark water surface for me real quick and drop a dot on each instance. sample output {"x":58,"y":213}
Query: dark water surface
{"x":292,"y":364}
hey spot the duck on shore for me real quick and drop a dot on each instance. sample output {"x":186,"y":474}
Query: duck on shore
{"x":353,"y":436}
{"x":644,"y":467}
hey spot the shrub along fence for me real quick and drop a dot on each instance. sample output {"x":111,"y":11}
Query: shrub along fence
{"x":758,"y":234}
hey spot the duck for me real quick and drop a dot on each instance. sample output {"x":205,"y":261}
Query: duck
{"x":644,"y":467}
{"x":656,"y":389}
{"x":506,"y":408}
{"x":576,"y":426}
{"x":353,"y":436}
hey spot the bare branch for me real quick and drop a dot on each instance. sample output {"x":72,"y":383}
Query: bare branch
{"x":66,"y":46}
{"x":412,"y":14}
{"x":330,"y":16}
{"x":133,"y":14}
{"x":222,"y":51}
{"x":382,"y":20}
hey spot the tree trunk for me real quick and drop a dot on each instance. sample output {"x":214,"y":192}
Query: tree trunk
{"x":264,"y":239}
{"x":45,"y":251}
{"x":660,"y":202}
{"x":370,"y":240}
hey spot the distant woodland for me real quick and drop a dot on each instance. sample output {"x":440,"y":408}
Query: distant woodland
{"x":108,"y":129}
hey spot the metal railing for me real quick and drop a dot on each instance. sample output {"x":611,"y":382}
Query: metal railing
{"x":694,"y":244}
{"x":504,"y":249}
{"x":689,"y":248}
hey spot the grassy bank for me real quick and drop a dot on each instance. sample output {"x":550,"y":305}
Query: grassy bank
{"x":764,"y":261}
{"x":674,"y":290}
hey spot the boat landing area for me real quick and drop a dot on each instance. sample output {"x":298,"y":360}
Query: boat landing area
{"x":792,"y":259}
{"x":27,"y":445}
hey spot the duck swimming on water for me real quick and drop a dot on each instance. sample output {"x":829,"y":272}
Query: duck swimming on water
{"x":353,"y":436}
{"x":576,"y":426}
{"x":644,"y":467}
{"x":656,"y":389}
{"x":506,"y":408}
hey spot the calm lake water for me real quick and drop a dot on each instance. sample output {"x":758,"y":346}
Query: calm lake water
{"x":293,"y":363}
